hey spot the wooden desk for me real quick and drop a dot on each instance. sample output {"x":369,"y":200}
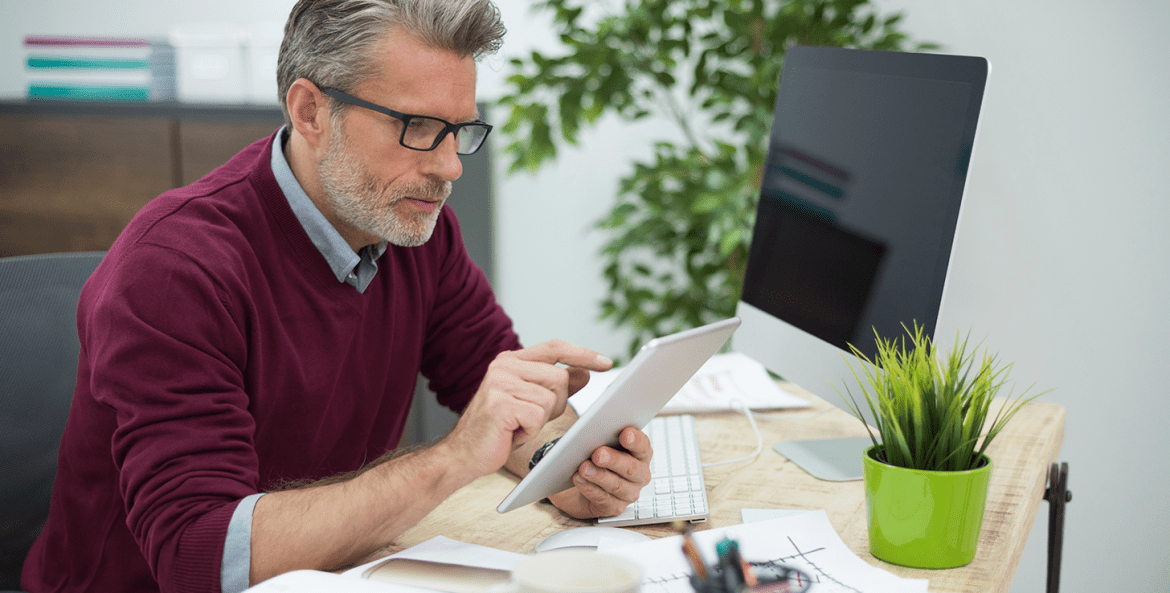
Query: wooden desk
{"x":1023,"y":453}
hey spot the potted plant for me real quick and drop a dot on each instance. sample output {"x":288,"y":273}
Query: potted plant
{"x":926,"y":480}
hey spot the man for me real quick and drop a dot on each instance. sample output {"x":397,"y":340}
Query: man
{"x":265,"y":325}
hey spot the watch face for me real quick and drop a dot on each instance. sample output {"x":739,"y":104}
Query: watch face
{"x":536,"y":457}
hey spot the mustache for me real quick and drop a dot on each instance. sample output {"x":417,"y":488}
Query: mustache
{"x":430,"y":189}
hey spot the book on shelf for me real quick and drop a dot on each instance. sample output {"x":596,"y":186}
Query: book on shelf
{"x":78,"y":68}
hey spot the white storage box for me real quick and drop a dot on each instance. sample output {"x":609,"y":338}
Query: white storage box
{"x":209,"y":61}
{"x":261,"y":48}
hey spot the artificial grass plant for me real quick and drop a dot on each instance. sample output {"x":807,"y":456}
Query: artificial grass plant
{"x":930,"y":410}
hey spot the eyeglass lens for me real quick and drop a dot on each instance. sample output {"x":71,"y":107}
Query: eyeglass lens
{"x":424,"y":133}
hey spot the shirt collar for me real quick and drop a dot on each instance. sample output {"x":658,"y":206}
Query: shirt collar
{"x":349,"y":267}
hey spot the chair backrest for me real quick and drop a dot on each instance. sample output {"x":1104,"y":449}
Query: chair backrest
{"x":38,"y":371}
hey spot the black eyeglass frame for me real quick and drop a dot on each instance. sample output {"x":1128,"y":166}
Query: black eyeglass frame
{"x":449,"y":128}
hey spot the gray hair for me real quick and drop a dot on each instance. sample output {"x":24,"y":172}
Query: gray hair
{"x":329,"y":42}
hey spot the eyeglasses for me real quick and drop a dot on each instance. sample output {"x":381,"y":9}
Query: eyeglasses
{"x":420,"y":132}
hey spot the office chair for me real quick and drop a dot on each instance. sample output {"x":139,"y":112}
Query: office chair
{"x":38,"y":370}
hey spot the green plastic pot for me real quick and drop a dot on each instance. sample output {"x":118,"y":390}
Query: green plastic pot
{"x":924,"y":519}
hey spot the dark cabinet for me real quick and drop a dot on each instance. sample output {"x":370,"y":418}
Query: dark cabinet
{"x":72,"y":174}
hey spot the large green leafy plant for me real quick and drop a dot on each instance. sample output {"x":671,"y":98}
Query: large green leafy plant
{"x":931,"y":411}
{"x":679,"y":230}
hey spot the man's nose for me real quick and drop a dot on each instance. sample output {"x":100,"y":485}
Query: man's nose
{"x":443,"y":162}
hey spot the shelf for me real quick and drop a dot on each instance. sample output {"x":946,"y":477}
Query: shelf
{"x":168,"y":109}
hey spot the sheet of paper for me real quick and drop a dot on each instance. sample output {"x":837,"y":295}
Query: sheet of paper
{"x":436,"y":549}
{"x":447,"y":550}
{"x":311,"y":581}
{"x":806,"y":541}
{"x":753,"y":515}
{"x":717,"y":385}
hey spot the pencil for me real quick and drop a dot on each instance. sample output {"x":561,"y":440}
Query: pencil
{"x":692,"y":554}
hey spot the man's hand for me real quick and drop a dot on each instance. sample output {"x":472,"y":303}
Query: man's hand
{"x":610,"y":479}
{"x":521,"y":391}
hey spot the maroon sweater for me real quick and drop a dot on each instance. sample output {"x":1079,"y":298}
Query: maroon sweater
{"x":220,"y":357}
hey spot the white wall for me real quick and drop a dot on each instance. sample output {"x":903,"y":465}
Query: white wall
{"x":1063,"y":255}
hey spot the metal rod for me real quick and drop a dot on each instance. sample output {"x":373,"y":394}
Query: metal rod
{"x":1057,"y":496}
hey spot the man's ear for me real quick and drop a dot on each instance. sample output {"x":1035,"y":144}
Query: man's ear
{"x":309,"y":111}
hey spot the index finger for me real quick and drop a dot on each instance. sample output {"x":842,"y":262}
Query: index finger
{"x":555,"y":351}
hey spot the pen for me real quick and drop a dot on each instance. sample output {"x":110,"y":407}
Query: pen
{"x":732,"y":577}
{"x":746,"y":576}
{"x":749,"y":576}
{"x":692,"y":554}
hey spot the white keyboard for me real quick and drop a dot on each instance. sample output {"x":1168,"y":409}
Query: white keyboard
{"x":676,"y":491}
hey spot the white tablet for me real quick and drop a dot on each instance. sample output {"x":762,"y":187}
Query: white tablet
{"x":656,"y":373}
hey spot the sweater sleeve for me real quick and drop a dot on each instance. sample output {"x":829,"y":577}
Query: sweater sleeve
{"x":168,"y":355}
{"x":466,"y":327}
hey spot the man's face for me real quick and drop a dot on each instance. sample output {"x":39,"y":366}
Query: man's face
{"x":377,"y":188}
{"x":379,"y":208}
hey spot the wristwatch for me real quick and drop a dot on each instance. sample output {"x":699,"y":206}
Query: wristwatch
{"x":536,"y":457}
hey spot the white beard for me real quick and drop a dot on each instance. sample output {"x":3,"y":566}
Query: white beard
{"x":360,"y":201}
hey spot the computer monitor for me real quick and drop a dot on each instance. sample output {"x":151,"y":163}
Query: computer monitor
{"x":860,"y":201}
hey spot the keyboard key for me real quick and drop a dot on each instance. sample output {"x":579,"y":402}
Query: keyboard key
{"x":661,"y":486}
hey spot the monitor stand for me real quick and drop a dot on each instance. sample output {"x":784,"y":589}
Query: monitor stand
{"x":835,"y":460}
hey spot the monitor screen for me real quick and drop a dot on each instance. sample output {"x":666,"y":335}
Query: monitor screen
{"x":859,"y":205}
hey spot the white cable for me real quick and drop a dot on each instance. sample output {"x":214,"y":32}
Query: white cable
{"x":759,"y":438}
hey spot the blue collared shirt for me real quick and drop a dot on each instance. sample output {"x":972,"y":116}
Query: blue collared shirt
{"x":349,"y":267}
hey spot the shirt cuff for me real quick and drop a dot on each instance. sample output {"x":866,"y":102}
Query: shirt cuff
{"x":237,"y":549}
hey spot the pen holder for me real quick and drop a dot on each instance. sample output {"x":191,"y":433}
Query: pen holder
{"x":770,"y":578}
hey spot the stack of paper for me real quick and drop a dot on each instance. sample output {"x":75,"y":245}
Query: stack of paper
{"x":98,"y":69}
